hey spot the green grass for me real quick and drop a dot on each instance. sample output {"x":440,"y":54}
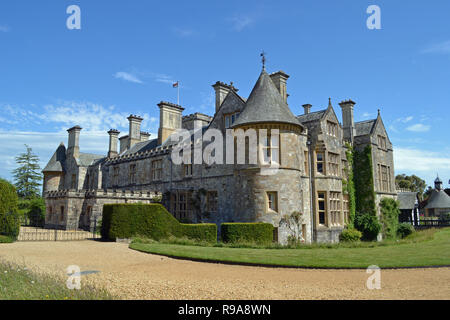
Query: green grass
{"x":5,"y":239}
{"x":424,"y":248}
{"x":17,"y":283}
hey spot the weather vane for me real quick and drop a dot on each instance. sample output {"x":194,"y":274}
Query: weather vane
{"x":263,"y":55}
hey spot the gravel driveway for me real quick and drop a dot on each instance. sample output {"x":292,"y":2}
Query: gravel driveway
{"x":134,"y":275}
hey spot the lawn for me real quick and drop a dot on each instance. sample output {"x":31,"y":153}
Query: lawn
{"x":18,"y":283}
{"x":433,"y":250}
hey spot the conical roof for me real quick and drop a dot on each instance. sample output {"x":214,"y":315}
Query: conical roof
{"x":265,"y":104}
{"x":56,"y":163}
{"x":438,"y":200}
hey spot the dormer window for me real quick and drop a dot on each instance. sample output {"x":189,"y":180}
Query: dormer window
{"x":230,"y":119}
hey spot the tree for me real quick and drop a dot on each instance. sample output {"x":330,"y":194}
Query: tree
{"x":27,"y":176}
{"x":412,"y":183}
{"x":294,"y":223}
{"x":9,"y":220}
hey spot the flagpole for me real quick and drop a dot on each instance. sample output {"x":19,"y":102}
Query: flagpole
{"x":178,"y":89}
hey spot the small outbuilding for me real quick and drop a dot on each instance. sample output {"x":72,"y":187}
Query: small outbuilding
{"x":409,"y":207}
{"x":439,"y":201}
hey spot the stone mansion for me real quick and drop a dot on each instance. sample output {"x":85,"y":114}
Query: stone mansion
{"x":310,"y":149}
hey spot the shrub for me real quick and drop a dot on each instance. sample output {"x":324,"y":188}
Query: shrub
{"x":6,"y":239}
{"x":389,"y":217}
{"x":405,"y":229}
{"x":368,"y":225}
{"x":445,"y":216}
{"x":261,"y":233}
{"x":36,"y":213}
{"x":350,"y":235}
{"x":151,"y":221}
{"x":201,"y":232}
{"x":9,"y":218}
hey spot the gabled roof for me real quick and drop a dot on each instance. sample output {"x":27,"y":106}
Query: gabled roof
{"x":438,"y":200}
{"x":363,"y":128}
{"x":231,"y":101}
{"x":407,"y":200}
{"x":56,"y":163}
{"x":312,"y":116}
{"x":265,"y":104}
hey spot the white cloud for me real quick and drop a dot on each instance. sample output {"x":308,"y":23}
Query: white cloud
{"x":240,"y":22}
{"x":423,"y":163}
{"x":4,"y":29}
{"x":442,"y":48}
{"x":127,"y":77}
{"x":418,"y":128}
{"x":405,"y":120}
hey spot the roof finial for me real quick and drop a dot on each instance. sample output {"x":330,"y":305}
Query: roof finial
{"x":263,"y":55}
{"x":378,"y":111}
{"x":329,"y":102}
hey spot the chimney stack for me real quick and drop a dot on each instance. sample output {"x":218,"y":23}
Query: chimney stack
{"x":73,"y":148}
{"x":222,"y":89}
{"x":145,"y":136}
{"x":170,"y":116}
{"x":279,"y":79}
{"x":348,"y":122}
{"x":134,"y":135}
{"x":307,"y":108}
{"x":113,"y":139}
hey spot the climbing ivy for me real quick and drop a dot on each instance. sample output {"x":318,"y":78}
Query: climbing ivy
{"x":348,"y":186}
{"x":364,"y":182}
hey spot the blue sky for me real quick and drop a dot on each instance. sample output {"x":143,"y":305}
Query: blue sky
{"x":127,"y":54}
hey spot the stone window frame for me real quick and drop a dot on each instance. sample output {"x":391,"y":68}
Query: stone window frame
{"x":61,"y":214}
{"x":333,"y":164}
{"x":230,"y":118}
{"x":344,"y":168}
{"x":156,"y":170}
{"x":324,"y":210}
{"x":180,"y":204}
{"x":317,"y":162}
{"x":384,"y":175}
{"x":335,"y":208}
{"x":212,"y":201}
{"x":382,"y":142}
{"x":187,"y":170}
{"x":132,"y":169}
{"x":332,"y":128}
{"x":268,"y":148}
{"x":116,"y":173}
{"x":272,"y":205}
{"x":306,"y":162}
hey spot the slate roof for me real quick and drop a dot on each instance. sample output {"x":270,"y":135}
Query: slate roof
{"x":364,"y":127}
{"x":231,"y":101}
{"x":87,"y":159}
{"x":265,"y":105}
{"x":56,"y":163}
{"x":142,"y":146}
{"x":312,"y":116}
{"x":438,"y":200}
{"x":407,"y":200}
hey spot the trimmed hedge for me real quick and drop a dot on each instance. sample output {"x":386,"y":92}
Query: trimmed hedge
{"x":9,"y":217}
{"x":6,"y":239}
{"x":261,"y":233}
{"x":151,"y":221}
{"x":203,"y":232}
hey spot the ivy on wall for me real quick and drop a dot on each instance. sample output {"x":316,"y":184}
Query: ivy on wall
{"x":364,"y":182}
{"x":348,"y":186}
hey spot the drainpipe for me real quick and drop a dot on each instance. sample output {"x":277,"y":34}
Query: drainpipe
{"x":310,"y":164}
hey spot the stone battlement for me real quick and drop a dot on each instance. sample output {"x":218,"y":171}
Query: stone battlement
{"x":110,"y":193}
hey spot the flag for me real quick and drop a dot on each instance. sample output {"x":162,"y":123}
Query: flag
{"x":175,"y":85}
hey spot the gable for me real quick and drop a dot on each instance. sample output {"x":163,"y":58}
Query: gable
{"x":232,"y":103}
